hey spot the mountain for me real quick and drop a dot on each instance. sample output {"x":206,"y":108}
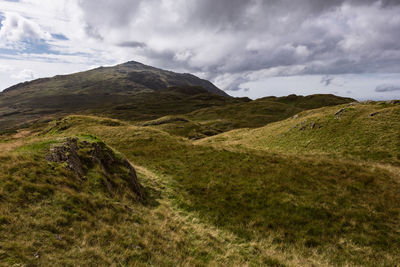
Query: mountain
{"x":124,"y":78}
{"x":136,"y":92}
{"x":104,"y":89}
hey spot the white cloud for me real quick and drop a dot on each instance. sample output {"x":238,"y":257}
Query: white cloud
{"x":16,"y":29}
{"x":311,"y":84}
{"x":40,"y":68}
{"x":25,"y":74}
{"x":230,"y":42}
{"x":302,"y":51}
{"x":5,"y":68}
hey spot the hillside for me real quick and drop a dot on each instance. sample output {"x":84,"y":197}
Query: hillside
{"x":139,"y":93}
{"x":125,"y":78}
{"x":204,"y":205}
{"x":367,"y":131}
{"x":137,"y":89}
{"x":246,"y":113}
{"x":136,"y":92}
{"x":263,"y":111}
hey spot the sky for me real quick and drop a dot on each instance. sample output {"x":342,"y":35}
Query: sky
{"x":251,"y":48}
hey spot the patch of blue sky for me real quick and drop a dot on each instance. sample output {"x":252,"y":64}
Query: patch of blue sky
{"x":5,"y":53}
{"x":38,"y":47}
{"x":29,"y":47}
{"x":59,"y":36}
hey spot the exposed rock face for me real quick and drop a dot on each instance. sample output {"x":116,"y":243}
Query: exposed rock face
{"x":339,"y":112}
{"x":80,"y":156}
{"x":307,"y":125}
{"x":68,"y":153}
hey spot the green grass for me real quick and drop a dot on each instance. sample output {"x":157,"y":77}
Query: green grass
{"x":52,"y":221}
{"x":345,"y":211}
{"x":181,"y":126}
{"x":51,"y":217}
{"x":261,"y":111}
{"x":36,"y":147}
{"x":265,"y":196}
{"x":353,"y":133}
{"x":219,"y":118}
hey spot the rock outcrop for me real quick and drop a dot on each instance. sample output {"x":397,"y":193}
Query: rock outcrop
{"x":82,"y":156}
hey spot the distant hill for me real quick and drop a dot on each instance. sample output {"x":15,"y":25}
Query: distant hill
{"x":368,"y":131}
{"x":264,"y":110}
{"x":244,"y":114}
{"x":136,"y":92}
{"x":103,"y":89}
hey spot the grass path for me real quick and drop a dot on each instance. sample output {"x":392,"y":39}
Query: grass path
{"x":233,"y":250}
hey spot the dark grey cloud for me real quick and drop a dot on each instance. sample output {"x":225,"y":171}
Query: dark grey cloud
{"x":387,"y":88}
{"x":133,"y":44}
{"x":235,"y":84}
{"x":219,"y":15}
{"x":326,"y":80}
{"x":93,"y":32}
{"x":112,"y":13}
{"x":238,"y":40}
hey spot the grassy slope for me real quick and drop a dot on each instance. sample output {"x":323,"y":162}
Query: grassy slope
{"x":152,"y":105}
{"x":353,"y":133}
{"x":293,"y":210}
{"x":179,"y":125}
{"x":139,"y":93}
{"x":262,"y":111}
{"x":209,"y":121}
{"x":131,"y":106}
{"x":48,"y":216}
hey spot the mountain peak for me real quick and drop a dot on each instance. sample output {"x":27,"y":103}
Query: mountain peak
{"x":102,"y":88}
{"x":133,"y":64}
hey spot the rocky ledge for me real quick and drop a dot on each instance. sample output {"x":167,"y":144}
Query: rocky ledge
{"x":83,"y":158}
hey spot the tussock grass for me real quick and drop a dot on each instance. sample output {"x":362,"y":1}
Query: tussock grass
{"x":50,"y":217}
{"x":214,"y":119}
{"x":344,"y":211}
{"x":207,"y":205}
{"x":352,"y":134}
{"x":181,"y":126}
{"x":262,"y":111}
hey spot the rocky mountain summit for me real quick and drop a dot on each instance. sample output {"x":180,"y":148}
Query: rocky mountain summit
{"x":103,"y":88}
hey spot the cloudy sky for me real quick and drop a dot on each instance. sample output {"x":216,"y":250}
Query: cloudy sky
{"x":246,"y":47}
